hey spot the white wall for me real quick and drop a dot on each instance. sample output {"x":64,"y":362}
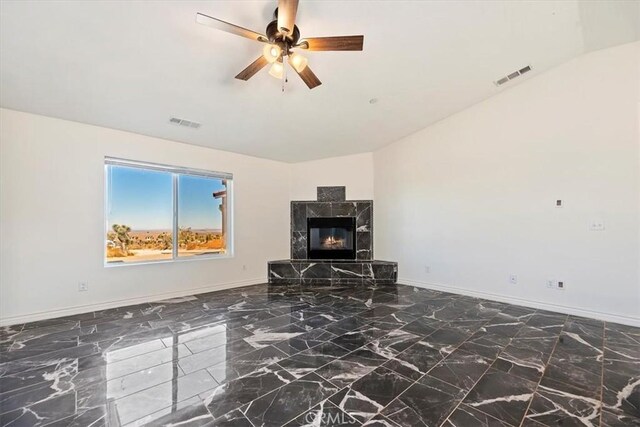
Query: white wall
{"x":354,"y":171}
{"x":52,"y":218}
{"x":472,"y":197}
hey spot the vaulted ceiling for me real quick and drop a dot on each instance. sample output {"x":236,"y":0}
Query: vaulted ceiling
{"x":133,"y":65}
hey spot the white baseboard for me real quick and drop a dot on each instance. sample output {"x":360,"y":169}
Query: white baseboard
{"x":51,"y":314}
{"x":609,"y":317}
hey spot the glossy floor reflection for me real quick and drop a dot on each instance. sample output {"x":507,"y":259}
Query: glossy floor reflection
{"x":274,"y":356}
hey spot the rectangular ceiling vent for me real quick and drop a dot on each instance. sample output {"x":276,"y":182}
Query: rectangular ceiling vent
{"x":185,"y":123}
{"x":512,"y":76}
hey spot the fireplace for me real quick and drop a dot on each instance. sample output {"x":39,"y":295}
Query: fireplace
{"x":331,"y":238}
{"x":332,"y":245}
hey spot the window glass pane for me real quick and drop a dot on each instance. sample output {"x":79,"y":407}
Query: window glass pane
{"x":202,"y":210}
{"x":139,"y":215}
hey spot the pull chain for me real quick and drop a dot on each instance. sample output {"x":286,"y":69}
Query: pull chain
{"x":284,"y":73}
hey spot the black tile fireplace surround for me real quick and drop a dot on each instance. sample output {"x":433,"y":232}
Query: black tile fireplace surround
{"x":331,"y":203}
{"x":332,"y":244}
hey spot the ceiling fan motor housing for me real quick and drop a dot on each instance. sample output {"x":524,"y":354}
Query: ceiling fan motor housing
{"x":285,"y":41}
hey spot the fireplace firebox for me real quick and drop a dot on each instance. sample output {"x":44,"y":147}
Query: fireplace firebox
{"x":331,"y":238}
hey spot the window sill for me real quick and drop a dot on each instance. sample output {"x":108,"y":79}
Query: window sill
{"x":193,"y":258}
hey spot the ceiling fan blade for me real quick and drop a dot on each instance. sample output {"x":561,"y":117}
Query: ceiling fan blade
{"x":307,"y":76}
{"x":252,"y":69}
{"x":332,"y":43}
{"x":287,"y":10}
{"x":229,"y":28}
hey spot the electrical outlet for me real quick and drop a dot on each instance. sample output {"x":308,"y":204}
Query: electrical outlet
{"x":559,"y":203}
{"x":244,"y":268}
{"x":556,"y":284}
{"x":83,"y":287}
{"x":427,"y":269}
{"x":596,"y":225}
{"x":513,"y":279}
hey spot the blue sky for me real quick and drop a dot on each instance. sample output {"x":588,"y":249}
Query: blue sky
{"x":196,"y":206}
{"x":143,"y":200}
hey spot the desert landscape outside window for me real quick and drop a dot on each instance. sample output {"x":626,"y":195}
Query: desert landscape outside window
{"x":202,"y":206}
{"x":161,"y":213}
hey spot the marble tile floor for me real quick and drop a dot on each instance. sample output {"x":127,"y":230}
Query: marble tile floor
{"x":340,"y":356}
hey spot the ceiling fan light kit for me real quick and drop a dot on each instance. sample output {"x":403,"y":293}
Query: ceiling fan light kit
{"x":298,"y":62}
{"x":280,"y":38}
{"x":276,"y":70}
{"x":271,"y":52}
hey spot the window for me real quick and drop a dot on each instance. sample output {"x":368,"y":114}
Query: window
{"x":163,"y":213}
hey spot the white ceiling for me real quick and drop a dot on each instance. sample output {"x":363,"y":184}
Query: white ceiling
{"x":133,"y":65}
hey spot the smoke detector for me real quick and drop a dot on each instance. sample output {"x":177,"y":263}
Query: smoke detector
{"x":184,"y":122}
{"x":512,"y":75}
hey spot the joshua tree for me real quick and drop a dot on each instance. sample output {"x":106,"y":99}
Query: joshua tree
{"x":185,"y":235}
{"x":165,"y":241}
{"x":122,"y":235}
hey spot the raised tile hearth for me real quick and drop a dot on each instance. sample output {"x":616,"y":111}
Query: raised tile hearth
{"x":272,"y":356}
{"x":332,"y":272}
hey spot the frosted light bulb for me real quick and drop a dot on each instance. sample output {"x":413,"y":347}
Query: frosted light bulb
{"x":276,"y":70}
{"x":271,"y":52}
{"x":298,"y":62}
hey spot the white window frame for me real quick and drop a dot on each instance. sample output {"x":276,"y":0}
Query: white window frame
{"x":175,"y":172}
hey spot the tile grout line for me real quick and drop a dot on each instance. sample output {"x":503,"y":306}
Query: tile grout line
{"x":483,"y":374}
{"x":151,"y":386}
{"x":557,"y":381}
{"x":535,"y":390}
{"x":161,"y":383}
{"x":387,"y":332}
{"x":430,"y":369}
{"x":295,"y":379}
{"x":501,"y":351}
{"x":79,"y":323}
{"x":337,"y":387}
{"x":155,"y":385}
{"x":604,"y":340}
{"x":349,"y":386}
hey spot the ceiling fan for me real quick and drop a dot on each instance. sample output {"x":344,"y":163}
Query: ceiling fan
{"x":281,"y":37}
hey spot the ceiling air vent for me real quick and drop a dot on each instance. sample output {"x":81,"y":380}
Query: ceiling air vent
{"x":512,"y":76}
{"x":183,"y":122}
